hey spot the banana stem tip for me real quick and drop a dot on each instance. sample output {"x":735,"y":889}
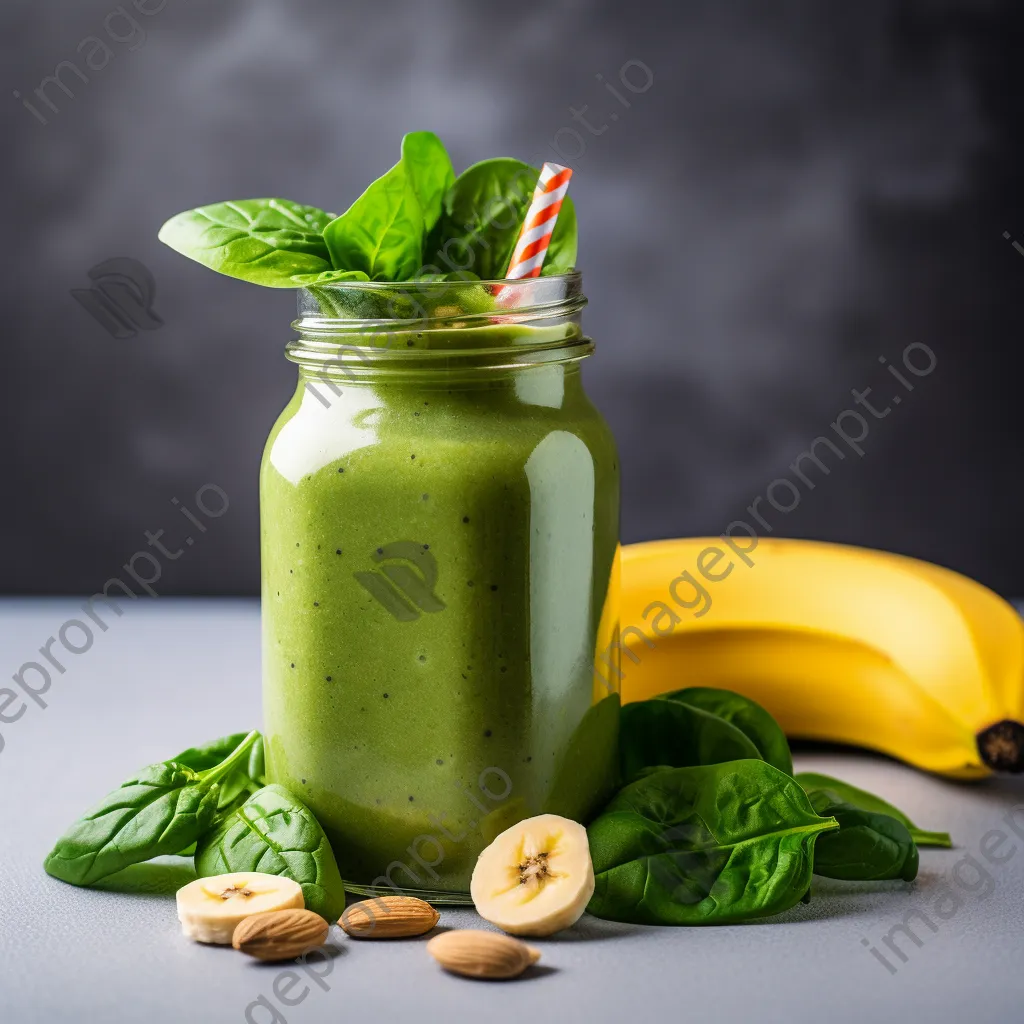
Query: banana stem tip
{"x":1001,"y":746}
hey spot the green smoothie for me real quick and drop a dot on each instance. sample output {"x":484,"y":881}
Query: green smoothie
{"x":439,"y":562}
{"x":439,"y":506}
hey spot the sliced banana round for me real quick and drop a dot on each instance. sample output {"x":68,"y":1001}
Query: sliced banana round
{"x":211,"y":908}
{"x":536,"y":878}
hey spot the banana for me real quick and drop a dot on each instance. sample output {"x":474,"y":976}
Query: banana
{"x":536,"y":878}
{"x":210,"y":908}
{"x":839,"y":643}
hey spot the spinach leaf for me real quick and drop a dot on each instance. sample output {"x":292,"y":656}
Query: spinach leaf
{"x":868,"y":845}
{"x":664,"y":732}
{"x":162,"y":810}
{"x":382,"y":232}
{"x":455,"y":275}
{"x":749,"y":717}
{"x":340,"y":302}
{"x":329,"y":277}
{"x":713,"y":844}
{"x":256,"y":766}
{"x":843,"y":792}
{"x":265,"y":241}
{"x":482,"y":218}
{"x":211,"y":754}
{"x":247,"y":776}
{"x":429,"y":170}
{"x":275,"y":833}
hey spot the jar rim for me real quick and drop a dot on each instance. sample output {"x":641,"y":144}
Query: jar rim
{"x":383,"y":305}
{"x":423,"y":324}
{"x":574,"y":277}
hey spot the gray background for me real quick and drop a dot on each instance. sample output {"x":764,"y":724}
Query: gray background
{"x":117,"y":955}
{"x":807,"y":186}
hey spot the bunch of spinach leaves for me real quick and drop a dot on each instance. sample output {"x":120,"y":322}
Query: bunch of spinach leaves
{"x":706,"y":844}
{"x":163,"y":809}
{"x":713,"y":826}
{"x":212,"y":800}
{"x":417,"y":222}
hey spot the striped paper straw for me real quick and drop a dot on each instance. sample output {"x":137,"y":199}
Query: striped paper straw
{"x":532,"y":247}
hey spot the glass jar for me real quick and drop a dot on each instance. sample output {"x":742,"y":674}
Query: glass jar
{"x":440,"y":513}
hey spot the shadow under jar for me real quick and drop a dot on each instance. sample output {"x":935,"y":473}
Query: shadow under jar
{"x":440,"y":516}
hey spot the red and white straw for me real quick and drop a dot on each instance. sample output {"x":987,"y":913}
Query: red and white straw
{"x":532,"y":247}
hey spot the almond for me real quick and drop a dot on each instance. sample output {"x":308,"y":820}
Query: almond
{"x":478,"y":954}
{"x":388,"y":917}
{"x":280,"y":934}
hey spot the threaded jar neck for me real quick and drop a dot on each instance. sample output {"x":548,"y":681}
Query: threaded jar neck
{"x":357,"y":328}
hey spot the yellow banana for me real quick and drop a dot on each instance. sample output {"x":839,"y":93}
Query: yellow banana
{"x":838,"y":643}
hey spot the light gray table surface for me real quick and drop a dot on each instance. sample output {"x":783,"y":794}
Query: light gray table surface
{"x":173,"y":673}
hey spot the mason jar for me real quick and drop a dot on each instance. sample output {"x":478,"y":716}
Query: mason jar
{"x":440,"y":514}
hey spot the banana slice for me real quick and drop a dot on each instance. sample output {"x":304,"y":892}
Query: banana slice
{"x":210,"y":908}
{"x":536,"y":878}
